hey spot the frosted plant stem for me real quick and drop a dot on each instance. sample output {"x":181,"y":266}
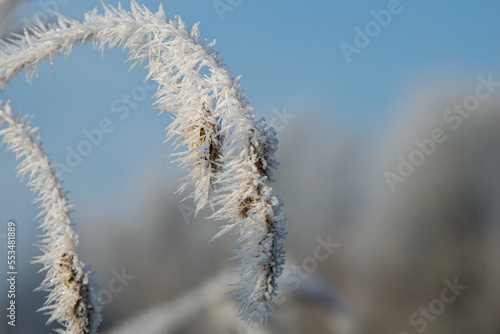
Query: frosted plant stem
{"x":170,"y":316}
{"x":230,"y":156}
{"x":71,"y":301}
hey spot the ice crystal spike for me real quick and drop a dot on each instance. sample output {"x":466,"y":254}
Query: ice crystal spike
{"x":229,"y":156}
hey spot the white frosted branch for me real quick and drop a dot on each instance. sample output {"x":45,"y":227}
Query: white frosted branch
{"x":170,"y":316}
{"x":71,"y":301}
{"x":230,"y":156}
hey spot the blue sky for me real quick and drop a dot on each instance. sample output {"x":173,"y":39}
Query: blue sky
{"x":288,"y":53}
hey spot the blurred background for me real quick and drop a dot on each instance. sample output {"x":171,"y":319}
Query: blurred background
{"x":388,"y":116}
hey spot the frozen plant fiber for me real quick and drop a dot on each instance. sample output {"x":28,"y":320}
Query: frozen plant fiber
{"x":229,"y":156}
{"x":70,"y":283}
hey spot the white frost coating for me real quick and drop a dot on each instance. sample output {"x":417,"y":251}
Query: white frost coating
{"x":170,"y":316}
{"x":230,"y":157}
{"x":71,"y":301}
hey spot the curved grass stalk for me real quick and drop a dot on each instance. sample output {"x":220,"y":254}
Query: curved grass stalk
{"x":169,"y":316}
{"x":71,"y":300}
{"x":230,"y":156}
